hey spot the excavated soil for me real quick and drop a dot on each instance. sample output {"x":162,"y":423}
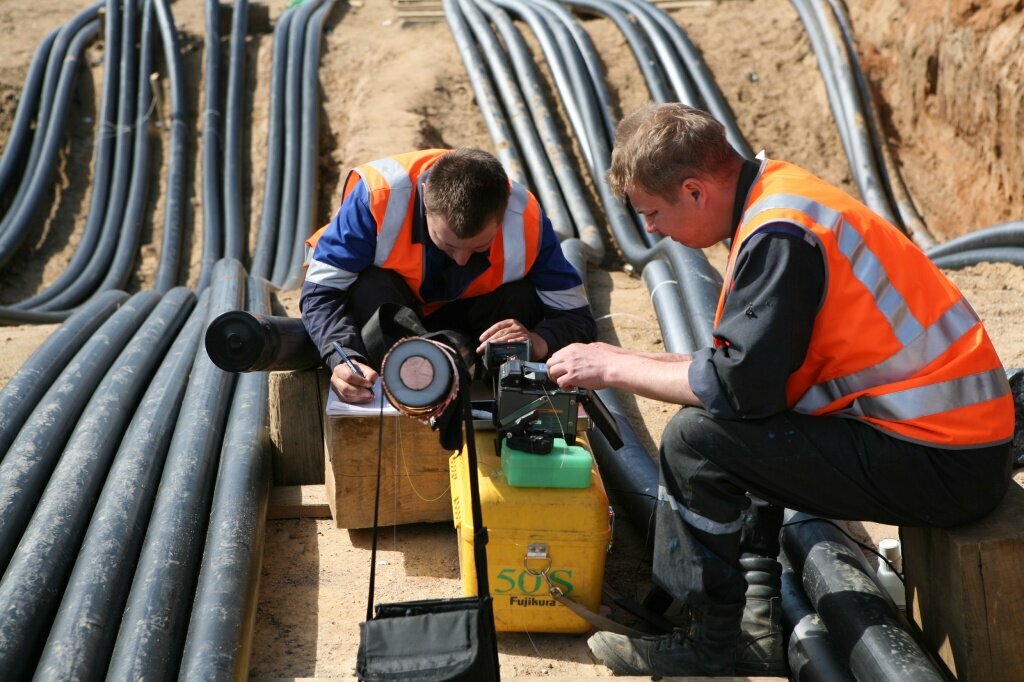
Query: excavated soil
{"x":946,"y":77}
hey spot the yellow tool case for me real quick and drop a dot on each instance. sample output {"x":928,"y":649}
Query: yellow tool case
{"x":538,"y":538}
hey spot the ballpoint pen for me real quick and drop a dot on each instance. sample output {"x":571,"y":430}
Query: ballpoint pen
{"x":348,"y":361}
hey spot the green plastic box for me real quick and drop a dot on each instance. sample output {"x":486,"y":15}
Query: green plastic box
{"x":566,"y":466}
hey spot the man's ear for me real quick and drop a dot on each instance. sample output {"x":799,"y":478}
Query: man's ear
{"x":693,"y":189}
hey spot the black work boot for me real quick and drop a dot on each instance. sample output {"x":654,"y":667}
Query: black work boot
{"x":759,"y":649}
{"x":706,"y":647}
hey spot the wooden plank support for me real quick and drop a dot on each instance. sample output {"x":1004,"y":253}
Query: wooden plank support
{"x":298,"y":502}
{"x":965,"y":590}
{"x":296,"y":426}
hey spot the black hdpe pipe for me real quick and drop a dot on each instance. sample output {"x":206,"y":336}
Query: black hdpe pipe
{"x":569,"y":184}
{"x":82,"y":635}
{"x":213,"y":135}
{"x":235,"y":234}
{"x":483,"y":91}
{"x":38,"y":571}
{"x":28,"y":105}
{"x":309,"y":146}
{"x":293,"y":104}
{"x":539,"y":170}
{"x":219,"y":640}
{"x":243,"y":341}
{"x":102,"y":168}
{"x":153,"y":628}
{"x":174,"y":205}
{"x":1005,"y":235}
{"x":810,"y":651}
{"x":963,"y":259}
{"x":25,"y":389}
{"x":32,"y":456}
{"x":51,"y":95}
{"x":263,"y":254}
{"x":861,"y":618}
{"x":104,"y":252}
{"x":18,"y":221}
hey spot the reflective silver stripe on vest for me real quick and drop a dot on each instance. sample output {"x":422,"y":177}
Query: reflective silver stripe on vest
{"x":924,"y":401}
{"x":908,"y":361}
{"x":865,"y":264}
{"x":330,"y":276}
{"x":513,"y":235}
{"x":398,"y":205}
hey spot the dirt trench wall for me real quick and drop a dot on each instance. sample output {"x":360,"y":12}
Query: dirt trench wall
{"x":949,"y":80}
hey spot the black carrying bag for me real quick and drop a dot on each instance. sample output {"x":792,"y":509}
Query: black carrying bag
{"x":434,"y":639}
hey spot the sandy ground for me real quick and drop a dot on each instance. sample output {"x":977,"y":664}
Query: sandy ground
{"x":390,"y":87}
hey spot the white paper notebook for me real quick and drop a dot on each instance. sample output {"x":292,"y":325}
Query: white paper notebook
{"x":337,"y":408}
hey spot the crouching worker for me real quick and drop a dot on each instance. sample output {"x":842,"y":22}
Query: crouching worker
{"x":848,"y":378}
{"x":447,"y":234}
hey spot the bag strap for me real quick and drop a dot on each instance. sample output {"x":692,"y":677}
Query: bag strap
{"x":479,"y":531}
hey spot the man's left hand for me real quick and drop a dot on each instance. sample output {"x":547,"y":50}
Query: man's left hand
{"x":514,"y":330}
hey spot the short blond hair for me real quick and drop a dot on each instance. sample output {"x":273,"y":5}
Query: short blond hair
{"x":660,"y":145}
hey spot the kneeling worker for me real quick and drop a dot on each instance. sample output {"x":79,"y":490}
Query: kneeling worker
{"x":848,"y":378}
{"x":446,"y":233}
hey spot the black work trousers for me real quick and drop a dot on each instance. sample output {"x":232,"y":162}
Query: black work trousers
{"x":828,"y":466}
{"x":470,"y":316}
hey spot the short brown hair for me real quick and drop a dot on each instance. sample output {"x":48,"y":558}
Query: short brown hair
{"x":660,"y":145}
{"x":469,"y":188}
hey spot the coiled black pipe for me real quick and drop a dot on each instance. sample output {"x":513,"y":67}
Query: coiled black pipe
{"x":235,"y":234}
{"x":33,"y":454}
{"x":37,"y":573}
{"x":290,"y":190}
{"x":153,"y":628}
{"x":106,"y":248}
{"x":28,"y":104}
{"x":213,"y":135}
{"x":101,"y":166}
{"x":309,"y":145}
{"x":263,"y":254}
{"x":811,"y":653}
{"x":486,"y":98}
{"x":1005,"y":235}
{"x":219,"y":639}
{"x":962,"y":259}
{"x":174,"y":206}
{"x":82,"y":636}
{"x":861,"y":618}
{"x":50,"y":97}
{"x":241,"y":341}
{"x":16,"y":224}
{"x":540,"y":175}
{"x":25,"y":389}
{"x":667,"y":302}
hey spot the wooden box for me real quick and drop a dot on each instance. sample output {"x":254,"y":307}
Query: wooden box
{"x":414,"y":472}
{"x":296,"y":426}
{"x":965,"y":590}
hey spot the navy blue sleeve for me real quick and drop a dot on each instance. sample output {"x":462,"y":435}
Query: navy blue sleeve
{"x":345,"y":249}
{"x":765,"y":328}
{"x":567,"y":314}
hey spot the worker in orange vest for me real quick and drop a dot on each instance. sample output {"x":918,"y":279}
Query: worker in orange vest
{"x":847,"y":378}
{"x":448,"y":235}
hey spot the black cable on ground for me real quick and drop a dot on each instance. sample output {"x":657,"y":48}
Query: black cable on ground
{"x":213,"y":136}
{"x":32,"y":456}
{"x":266,"y":240}
{"x":38,"y":571}
{"x":219,"y":640}
{"x":159,"y":604}
{"x":32,"y":380}
{"x":174,"y":207}
{"x":235,"y":232}
{"x":1005,"y":235}
{"x":82,"y":636}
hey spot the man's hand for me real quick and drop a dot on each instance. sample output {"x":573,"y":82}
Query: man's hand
{"x":583,"y":365}
{"x":514,"y":330}
{"x":351,"y":387}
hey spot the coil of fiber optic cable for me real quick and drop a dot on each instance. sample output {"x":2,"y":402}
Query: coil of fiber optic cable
{"x":418,"y":376}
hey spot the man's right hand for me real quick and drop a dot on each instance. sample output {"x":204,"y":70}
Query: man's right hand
{"x":351,"y":387}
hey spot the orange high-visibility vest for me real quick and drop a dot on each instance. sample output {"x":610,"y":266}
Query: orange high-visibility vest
{"x":895,"y":344}
{"x":391,"y":187}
